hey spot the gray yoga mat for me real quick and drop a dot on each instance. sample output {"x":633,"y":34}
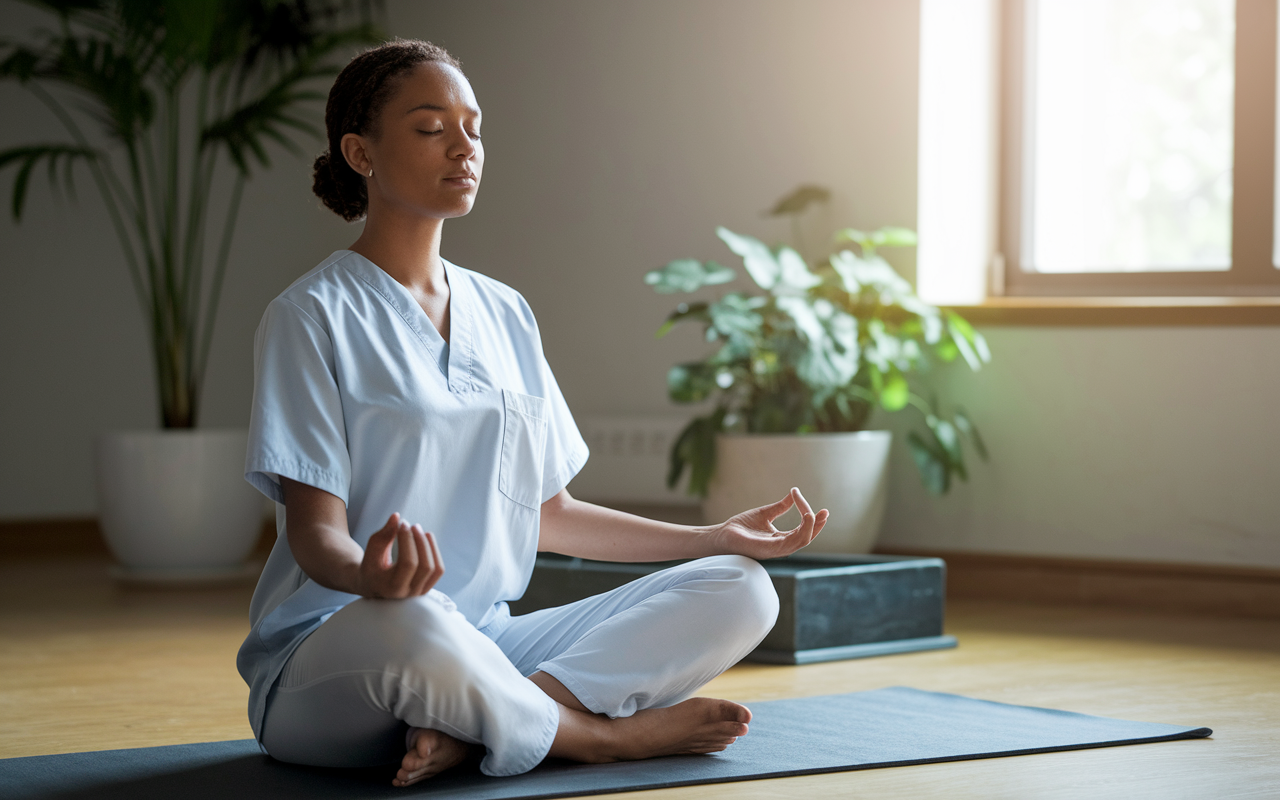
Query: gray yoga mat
{"x":881,"y":728}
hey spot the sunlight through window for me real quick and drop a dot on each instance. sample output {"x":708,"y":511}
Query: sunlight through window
{"x":1129,"y":127}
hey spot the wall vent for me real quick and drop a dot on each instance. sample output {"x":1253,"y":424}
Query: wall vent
{"x":629,"y":457}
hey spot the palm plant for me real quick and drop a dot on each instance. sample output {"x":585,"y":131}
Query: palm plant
{"x":173,"y":87}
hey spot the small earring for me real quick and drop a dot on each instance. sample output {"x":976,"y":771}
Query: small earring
{"x":371,"y":172}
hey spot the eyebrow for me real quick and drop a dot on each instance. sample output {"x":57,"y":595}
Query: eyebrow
{"x":434,"y":107}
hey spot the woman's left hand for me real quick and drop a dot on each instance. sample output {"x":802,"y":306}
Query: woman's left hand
{"x":752,"y":534}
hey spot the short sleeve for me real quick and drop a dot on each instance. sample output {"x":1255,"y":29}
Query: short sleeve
{"x":296,"y":426}
{"x":566,"y":450}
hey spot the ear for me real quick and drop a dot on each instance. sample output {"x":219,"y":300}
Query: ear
{"x":353,"y":150}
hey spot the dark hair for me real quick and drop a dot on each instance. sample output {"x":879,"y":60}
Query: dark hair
{"x":357,"y":96}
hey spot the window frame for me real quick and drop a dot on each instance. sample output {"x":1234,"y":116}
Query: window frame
{"x":1252,"y":272}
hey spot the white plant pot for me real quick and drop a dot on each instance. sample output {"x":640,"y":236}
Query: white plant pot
{"x":174,"y":504}
{"x":845,"y":473}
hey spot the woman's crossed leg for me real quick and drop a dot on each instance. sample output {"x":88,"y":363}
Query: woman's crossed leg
{"x":609,"y":677}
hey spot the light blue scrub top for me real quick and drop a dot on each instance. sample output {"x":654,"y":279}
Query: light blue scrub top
{"x":356,"y":393}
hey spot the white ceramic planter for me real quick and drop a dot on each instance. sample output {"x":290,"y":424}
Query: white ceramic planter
{"x":845,"y":473}
{"x":174,"y":504}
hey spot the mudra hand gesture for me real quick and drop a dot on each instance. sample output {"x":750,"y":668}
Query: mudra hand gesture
{"x":752,"y":533}
{"x":418,"y":565}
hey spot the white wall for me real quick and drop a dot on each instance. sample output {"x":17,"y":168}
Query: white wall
{"x":1154,"y":444}
{"x":618,"y":134}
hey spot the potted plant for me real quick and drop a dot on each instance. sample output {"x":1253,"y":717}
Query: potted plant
{"x":154,"y":96}
{"x":797,"y":369}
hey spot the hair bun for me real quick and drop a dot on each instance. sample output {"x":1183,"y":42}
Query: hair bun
{"x":330,"y":189}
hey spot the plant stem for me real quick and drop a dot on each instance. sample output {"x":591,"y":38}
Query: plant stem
{"x":219,"y":271}
{"x":920,"y":403}
{"x":193,"y":244}
{"x":798,"y":238}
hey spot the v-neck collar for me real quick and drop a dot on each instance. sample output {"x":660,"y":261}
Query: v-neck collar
{"x":458,"y":373}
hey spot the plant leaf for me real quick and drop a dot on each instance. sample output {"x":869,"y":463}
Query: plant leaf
{"x":932,"y":468}
{"x":243,"y":129}
{"x":895,"y":393}
{"x":873,"y":273}
{"x":856,"y":236}
{"x":980,"y":344}
{"x":971,"y":344}
{"x":29,"y":156}
{"x":931,"y":326}
{"x":703,"y":451}
{"x":794,"y":273}
{"x":688,"y":275}
{"x":696,"y":447}
{"x":967,"y":427}
{"x":801,"y":312}
{"x":799,"y":199}
{"x":696,"y":311}
{"x":758,"y":260}
{"x":966,"y":350}
{"x":890,"y":236}
{"x":948,"y":440}
{"x":735,"y":318}
{"x":680,"y":454}
{"x":692,"y":382}
{"x":947,"y":350}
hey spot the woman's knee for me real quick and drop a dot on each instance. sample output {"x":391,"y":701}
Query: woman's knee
{"x":409,"y":633}
{"x":749,"y":592}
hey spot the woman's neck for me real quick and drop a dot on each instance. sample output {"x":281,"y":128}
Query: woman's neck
{"x":407,"y":250}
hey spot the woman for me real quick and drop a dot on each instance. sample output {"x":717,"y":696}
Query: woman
{"x":403,"y":401}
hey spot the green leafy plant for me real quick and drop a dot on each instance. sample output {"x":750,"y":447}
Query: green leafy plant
{"x":153,"y":94}
{"x":816,"y":351}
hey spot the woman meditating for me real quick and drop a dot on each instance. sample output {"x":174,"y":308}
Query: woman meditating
{"x":417,"y":446}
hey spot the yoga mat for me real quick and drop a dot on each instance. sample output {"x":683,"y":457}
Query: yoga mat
{"x":880,"y":728}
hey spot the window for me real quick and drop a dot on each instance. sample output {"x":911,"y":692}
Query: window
{"x":1139,"y":147}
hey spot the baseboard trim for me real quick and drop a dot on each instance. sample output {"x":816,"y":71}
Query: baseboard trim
{"x":1194,"y":588}
{"x":70,"y":537}
{"x":74,"y":537}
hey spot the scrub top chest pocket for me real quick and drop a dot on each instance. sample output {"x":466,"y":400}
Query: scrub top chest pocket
{"x":524,"y":444}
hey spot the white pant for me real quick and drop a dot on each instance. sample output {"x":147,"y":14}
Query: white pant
{"x":348,"y":692}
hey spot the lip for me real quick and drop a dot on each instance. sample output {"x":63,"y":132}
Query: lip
{"x":461,"y":179}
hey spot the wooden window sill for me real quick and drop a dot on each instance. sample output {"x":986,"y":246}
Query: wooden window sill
{"x":1123,"y":311}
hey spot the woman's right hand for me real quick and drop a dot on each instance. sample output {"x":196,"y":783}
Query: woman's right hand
{"x":417,"y":568}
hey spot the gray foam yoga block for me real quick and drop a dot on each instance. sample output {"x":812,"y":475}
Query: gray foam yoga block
{"x":831,"y":607}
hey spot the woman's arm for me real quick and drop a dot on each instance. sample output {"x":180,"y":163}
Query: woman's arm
{"x":316,"y":524}
{"x":576,"y":528}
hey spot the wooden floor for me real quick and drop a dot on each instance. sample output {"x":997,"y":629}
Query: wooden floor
{"x":86,"y":665}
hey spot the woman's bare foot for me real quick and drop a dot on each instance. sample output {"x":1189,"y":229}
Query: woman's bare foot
{"x":698,"y":725}
{"x":431,"y":753}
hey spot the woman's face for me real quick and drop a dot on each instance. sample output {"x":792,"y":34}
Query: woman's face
{"x":425,"y":153}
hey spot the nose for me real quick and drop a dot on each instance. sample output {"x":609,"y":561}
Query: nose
{"x":463,"y":147}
